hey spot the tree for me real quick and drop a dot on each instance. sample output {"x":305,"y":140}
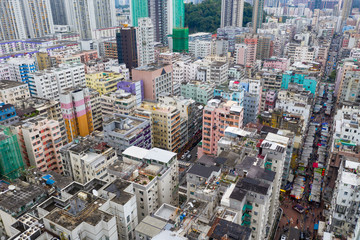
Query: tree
{"x":332,"y":76}
{"x":205,"y":16}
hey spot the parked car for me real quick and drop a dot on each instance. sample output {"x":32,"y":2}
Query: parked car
{"x":299,"y":208}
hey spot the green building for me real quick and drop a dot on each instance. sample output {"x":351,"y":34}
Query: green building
{"x":178,"y":13}
{"x":180,"y":38}
{"x":200,"y":93}
{"x":11,"y":162}
{"x":138,"y":9}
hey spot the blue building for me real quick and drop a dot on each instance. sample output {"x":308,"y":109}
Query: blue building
{"x":309,"y":83}
{"x":224,"y":92}
{"x":7,"y":114}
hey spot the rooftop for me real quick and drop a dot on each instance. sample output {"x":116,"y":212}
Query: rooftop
{"x":14,"y":197}
{"x":150,"y":226}
{"x":6,"y":84}
{"x":222,"y":229}
{"x":83,"y":208}
{"x":203,"y":171}
{"x":118,"y":188}
{"x":151,"y":67}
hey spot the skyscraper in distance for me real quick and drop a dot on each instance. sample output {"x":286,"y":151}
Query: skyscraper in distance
{"x":157,"y":10}
{"x":87,"y":15}
{"x":257,"y":15}
{"x":345,"y":13}
{"x":126,"y":46}
{"x":138,"y":9}
{"x":21,"y":19}
{"x":232,"y":13}
{"x":58,"y":9}
{"x":145,"y":41}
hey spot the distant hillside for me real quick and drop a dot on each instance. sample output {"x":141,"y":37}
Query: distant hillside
{"x":205,"y":16}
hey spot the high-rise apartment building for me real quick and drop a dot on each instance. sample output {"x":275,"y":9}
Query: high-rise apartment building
{"x":257,"y":15}
{"x":117,"y":102}
{"x":11,"y":162}
{"x":12,"y":25}
{"x":103,"y":82}
{"x":25,"y":19}
{"x":126,"y":47}
{"x":88,"y":15}
{"x":232,"y":13}
{"x":87,"y":158}
{"x":58,"y":10}
{"x":20,"y":68}
{"x":50,"y":83}
{"x":11,"y":92}
{"x":40,"y":140}
{"x":165,"y":123}
{"x":145,"y":41}
{"x":77,"y":112}
{"x":158,"y":14}
{"x":157,"y":79}
{"x":138,"y":9}
{"x":345,"y":13}
{"x":219,"y":115}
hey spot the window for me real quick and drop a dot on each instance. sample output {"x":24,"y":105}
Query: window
{"x":128,"y":218}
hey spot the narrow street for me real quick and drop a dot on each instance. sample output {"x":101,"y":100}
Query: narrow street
{"x":312,"y":177}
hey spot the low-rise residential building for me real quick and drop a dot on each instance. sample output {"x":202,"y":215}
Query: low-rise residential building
{"x":40,"y":141}
{"x":118,"y":102}
{"x":200,"y":49}
{"x":122,"y":131}
{"x":218,"y":115}
{"x":8,"y":114}
{"x":307,"y":80}
{"x":86,"y":158}
{"x":12,"y":92}
{"x":103,"y":82}
{"x":346,"y":125}
{"x":154,"y":175}
{"x":197,"y":91}
{"x":99,"y":65}
{"x":20,"y":68}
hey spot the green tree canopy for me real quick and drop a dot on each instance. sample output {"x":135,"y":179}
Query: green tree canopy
{"x":205,"y":16}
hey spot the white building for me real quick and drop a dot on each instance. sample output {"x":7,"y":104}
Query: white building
{"x":154,"y":174}
{"x":50,"y":83}
{"x":346,"y":124}
{"x":232,"y":13}
{"x":199,"y":48}
{"x":85,"y":159}
{"x":145,"y":41}
{"x":25,"y":19}
{"x":346,"y":199}
{"x":19,"y":68}
{"x":355,"y":53}
{"x":240,"y":54}
{"x":11,"y":92}
{"x":85,"y":17}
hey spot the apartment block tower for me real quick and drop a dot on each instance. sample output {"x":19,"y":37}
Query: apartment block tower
{"x":157,"y":10}
{"x":12,"y":24}
{"x":138,"y":9}
{"x":77,"y":112}
{"x":232,"y":13}
{"x":58,"y":9}
{"x":145,"y":41}
{"x":87,"y":16}
{"x":20,"y":68}
{"x":126,"y":47}
{"x":11,"y":161}
{"x":25,"y":19}
{"x":257,"y":15}
{"x":40,"y":141}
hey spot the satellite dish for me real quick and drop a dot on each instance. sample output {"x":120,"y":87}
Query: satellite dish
{"x":95,"y":193}
{"x":11,"y":187}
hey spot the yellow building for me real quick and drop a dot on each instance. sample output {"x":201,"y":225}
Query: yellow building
{"x":43,"y":60}
{"x":103,"y":82}
{"x":165,"y":123}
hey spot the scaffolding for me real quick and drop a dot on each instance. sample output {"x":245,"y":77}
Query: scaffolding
{"x":11,"y":162}
{"x":180,"y":38}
